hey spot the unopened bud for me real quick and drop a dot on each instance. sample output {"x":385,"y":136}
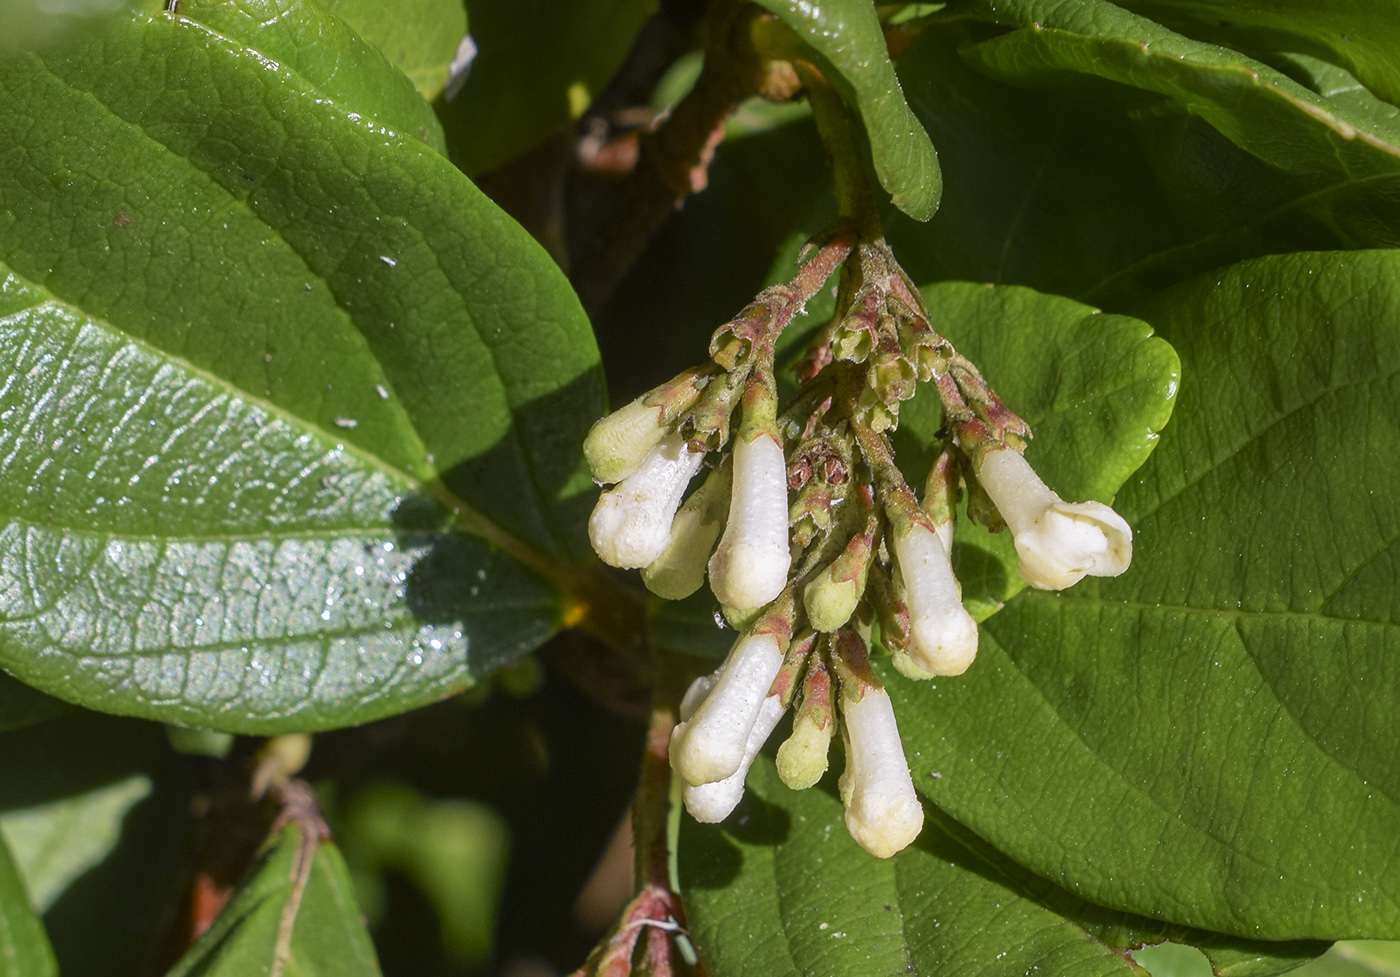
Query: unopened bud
{"x":802,"y":759}
{"x":942,"y":634}
{"x":1059,"y":542}
{"x":710,"y":746}
{"x":750,"y":567}
{"x":831,"y":596}
{"x":631,"y":524}
{"x":618,"y":444}
{"x":680,"y":569}
{"x":713,"y":802}
{"x":883,"y":814}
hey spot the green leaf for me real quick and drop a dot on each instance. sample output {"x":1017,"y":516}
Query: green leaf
{"x":1047,"y":190}
{"x":326,"y":56}
{"x":56,"y":842}
{"x":419,"y":38}
{"x":781,"y":889}
{"x":321,"y":401}
{"x":1359,"y":958}
{"x":848,"y":37}
{"x":24,"y":946}
{"x":293,"y":914}
{"x":1254,"y":161}
{"x":538,"y":64}
{"x":1095,"y":388}
{"x":1362,"y":36}
{"x":1209,"y":738}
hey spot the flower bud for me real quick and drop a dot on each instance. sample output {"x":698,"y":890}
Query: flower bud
{"x":617,"y":444}
{"x":713,"y":802}
{"x":631,"y":524}
{"x":802,"y":759}
{"x":710,"y":746}
{"x":751,"y":565}
{"x":883,"y":814}
{"x":1059,"y":542}
{"x":680,"y":569}
{"x":831,"y":596}
{"x":942,"y":634}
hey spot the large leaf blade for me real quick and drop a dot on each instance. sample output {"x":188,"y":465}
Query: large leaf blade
{"x":781,"y":889}
{"x":299,"y":341}
{"x":1208,"y":740}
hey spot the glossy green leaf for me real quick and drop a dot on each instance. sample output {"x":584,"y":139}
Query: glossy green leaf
{"x":325,"y":55}
{"x":420,"y":38}
{"x":1362,"y":36}
{"x":282,"y":385}
{"x":539,"y":63}
{"x":1209,"y":738}
{"x":847,"y":36}
{"x":1096,"y":389}
{"x":24,"y":946}
{"x":781,"y":889}
{"x":1249,"y":160}
{"x":293,"y":914}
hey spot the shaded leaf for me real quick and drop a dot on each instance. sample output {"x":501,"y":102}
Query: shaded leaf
{"x":781,"y":889}
{"x":56,"y":842}
{"x":538,"y":64}
{"x":454,"y":850}
{"x":418,"y":38}
{"x":24,"y":946}
{"x":1362,"y":36}
{"x":1045,"y":189}
{"x":292,"y":344}
{"x":1255,"y":161}
{"x":1208,"y":738}
{"x":294,"y":914}
{"x":87,"y":805}
{"x":848,"y":37}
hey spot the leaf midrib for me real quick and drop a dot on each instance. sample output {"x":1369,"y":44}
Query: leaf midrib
{"x":463,"y":515}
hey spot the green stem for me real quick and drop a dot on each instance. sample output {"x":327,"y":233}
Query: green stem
{"x":848,"y":155}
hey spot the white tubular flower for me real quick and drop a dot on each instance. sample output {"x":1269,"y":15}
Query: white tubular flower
{"x":712,"y":803}
{"x":883,"y":814}
{"x":680,"y":569}
{"x":751,"y":565}
{"x":618,"y":444}
{"x":710,"y":746}
{"x":1059,"y":542}
{"x":631,"y":524}
{"x":942,"y":634}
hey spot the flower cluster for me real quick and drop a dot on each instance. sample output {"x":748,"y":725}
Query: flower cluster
{"x":811,"y":538}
